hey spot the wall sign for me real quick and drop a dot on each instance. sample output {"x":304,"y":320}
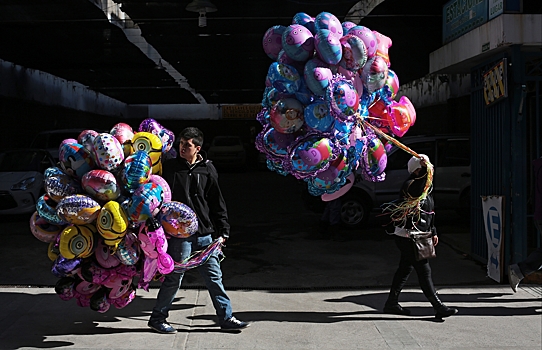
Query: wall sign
{"x":495,"y":83}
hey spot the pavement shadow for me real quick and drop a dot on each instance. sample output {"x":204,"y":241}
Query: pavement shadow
{"x":377,"y":300}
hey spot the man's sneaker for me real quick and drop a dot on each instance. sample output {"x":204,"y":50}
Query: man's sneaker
{"x":233,"y":324}
{"x":162,"y":327}
{"x":513,"y":277}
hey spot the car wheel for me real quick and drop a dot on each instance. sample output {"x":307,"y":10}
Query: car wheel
{"x":355,"y":210}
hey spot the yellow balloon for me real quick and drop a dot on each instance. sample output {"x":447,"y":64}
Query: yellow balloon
{"x":150,"y":143}
{"x":77,"y":241}
{"x":112,"y":223}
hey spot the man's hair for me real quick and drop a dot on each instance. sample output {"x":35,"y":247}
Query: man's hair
{"x":192,"y":133}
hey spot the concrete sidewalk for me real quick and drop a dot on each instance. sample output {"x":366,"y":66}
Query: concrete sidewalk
{"x":490,"y":317}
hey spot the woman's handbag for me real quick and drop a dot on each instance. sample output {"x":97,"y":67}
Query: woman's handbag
{"x":423,"y":245}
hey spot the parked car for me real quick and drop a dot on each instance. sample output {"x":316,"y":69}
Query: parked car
{"x":227,"y":151}
{"x":21,"y":179}
{"x":450,"y":155}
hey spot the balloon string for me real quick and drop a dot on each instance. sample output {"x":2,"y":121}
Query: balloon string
{"x":200,"y":257}
{"x":410,"y":207}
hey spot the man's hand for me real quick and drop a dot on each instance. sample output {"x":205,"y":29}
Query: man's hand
{"x":435,"y":240}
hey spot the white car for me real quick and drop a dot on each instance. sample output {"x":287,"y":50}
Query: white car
{"x":21,"y":179}
{"x":227,"y":151}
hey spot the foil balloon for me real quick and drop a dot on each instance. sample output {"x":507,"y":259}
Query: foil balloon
{"x":58,"y":185}
{"x":287,"y":60}
{"x":305,"y":20}
{"x":108,"y":152}
{"x":350,"y":179}
{"x":273,"y":143}
{"x":318,"y":116}
{"x":144,"y":203}
{"x":382,"y":46}
{"x":286,"y":116}
{"x":43,"y":230}
{"x":401,"y":116}
{"x":328,"y":47}
{"x":178,"y":219}
{"x":75,"y":160}
{"x":317,"y":76}
{"x":77,"y":241}
{"x":283,"y":77}
{"x":63,"y":267}
{"x":328,"y":21}
{"x":124,"y":134}
{"x":86,"y":138}
{"x":152,"y":145}
{"x":347,"y":26}
{"x":298,"y":42}
{"x":112,"y":224}
{"x":374,"y":160}
{"x":166,"y":136}
{"x":46,"y":208}
{"x":309,"y":156}
{"x":374,"y":74}
{"x":124,"y":299}
{"x":99,"y":301}
{"x":65,"y":288}
{"x":78,"y":209}
{"x":354,"y":78}
{"x":137,"y":170}
{"x":101,"y":185}
{"x":128,"y":249}
{"x":392,"y":84}
{"x":354,"y":52}
{"x":343,"y":99}
{"x":104,"y":256}
{"x":272,"y":41}
{"x":331,"y":179}
{"x":166,"y":190}
{"x":368,"y":38}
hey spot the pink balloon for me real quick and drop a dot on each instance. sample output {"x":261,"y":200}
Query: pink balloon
{"x":382,"y":47}
{"x":160,"y":181}
{"x":272,"y":41}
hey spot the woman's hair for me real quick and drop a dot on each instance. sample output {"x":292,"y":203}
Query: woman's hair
{"x":192,"y":133}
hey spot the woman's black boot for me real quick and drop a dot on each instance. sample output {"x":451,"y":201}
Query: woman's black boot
{"x":441,"y":310}
{"x":392,"y":305}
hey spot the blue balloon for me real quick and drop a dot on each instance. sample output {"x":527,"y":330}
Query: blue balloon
{"x":318,"y":116}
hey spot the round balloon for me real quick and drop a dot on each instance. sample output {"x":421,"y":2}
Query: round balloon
{"x":108,"y":152}
{"x":344,"y":99}
{"x":298,"y":42}
{"x":283,"y":77}
{"x":78,"y":209}
{"x":328,"y":46}
{"x":305,"y":20}
{"x":376,"y":156}
{"x":354,"y":52}
{"x":272,"y":41}
{"x":124,"y":133}
{"x":59,"y":185}
{"x":43,"y":230}
{"x":309,"y":156}
{"x":144,"y":203}
{"x":128,"y":249}
{"x":178,"y":219}
{"x":137,"y":170}
{"x":112,"y":223}
{"x":77,"y":241}
{"x":166,"y":190}
{"x":152,"y":145}
{"x":75,"y":160}
{"x":368,"y":38}
{"x":101,"y":185}
{"x":318,"y":117}
{"x":374,"y":74}
{"x":46,"y":208}
{"x":86,"y":138}
{"x":328,"y":21}
{"x":286,"y":116}
{"x":317,"y":76}
{"x":104,"y":256}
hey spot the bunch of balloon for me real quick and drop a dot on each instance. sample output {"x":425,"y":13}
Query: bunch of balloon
{"x":107,"y":213}
{"x":328,"y":108}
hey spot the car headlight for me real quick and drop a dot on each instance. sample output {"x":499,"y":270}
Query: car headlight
{"x":23,"y":185}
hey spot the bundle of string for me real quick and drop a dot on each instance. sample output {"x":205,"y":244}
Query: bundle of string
{"x":410,"y":207}
{"x":200,"y":257}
